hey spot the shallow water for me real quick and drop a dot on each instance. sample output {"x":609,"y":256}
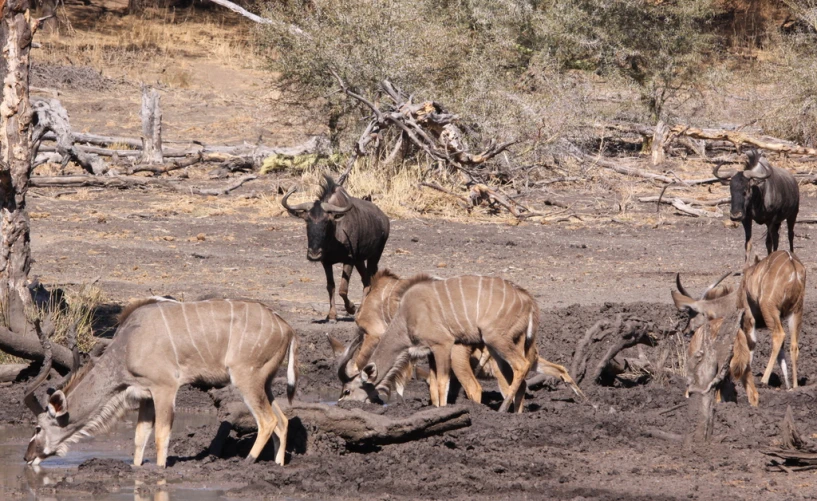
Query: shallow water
{"x":15,"y":475}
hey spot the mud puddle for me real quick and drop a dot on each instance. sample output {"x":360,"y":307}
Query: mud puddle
{"x":25,"y":481}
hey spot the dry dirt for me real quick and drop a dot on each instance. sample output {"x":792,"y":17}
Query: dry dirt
{"x":621,"y":257}
{"x":143,"y":242}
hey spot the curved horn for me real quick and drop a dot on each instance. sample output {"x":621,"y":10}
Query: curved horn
{"x":345,"y":360}
{"x":716,"y":283}
{"x":718,"y":168}
{"x":294,"y":208}
{"x":681,"y":287}
{"x":334,"y":209}
{"x":28,"y":397}
{"x":754,"y":173}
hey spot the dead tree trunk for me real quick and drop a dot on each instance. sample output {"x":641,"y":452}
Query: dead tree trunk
{"x":659,"y":143}
{"x":15,"y":155}
{"x":151,"y":127}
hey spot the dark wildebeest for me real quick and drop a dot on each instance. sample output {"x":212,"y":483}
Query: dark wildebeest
{"x":764,"y":194}
{"x":342,"y":229}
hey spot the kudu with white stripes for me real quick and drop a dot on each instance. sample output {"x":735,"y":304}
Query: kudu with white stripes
{"x":376,"y":312}
{"x":772,"y":290}
{"x":159,"y":346}
{"x":434,"y":316}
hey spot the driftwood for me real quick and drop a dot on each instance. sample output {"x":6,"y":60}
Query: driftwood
{"x":794,"y":453}
{"x":688,"y":209}
{"x":635,"y":172}
{"x":10,"y":372}
{"x":606,"y":339}
{"x":123,"y":182}
{"x":688,"y":201}
{"x":151,"y":127}
{"x":258,"y":19}
{"x":356,"y":426}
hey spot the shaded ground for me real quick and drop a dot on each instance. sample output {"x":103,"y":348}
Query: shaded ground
{"x":142,"y":242}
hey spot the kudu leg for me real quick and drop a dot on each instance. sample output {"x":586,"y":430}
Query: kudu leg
{"x":280,"y":432}
{"x":461,"y":365}
{"x":330,"y":288}
{"x":772,"y":319}
{"x":795,"y":321}
{"x":164,"y":402}
{"x":442,"y":360}
{"x":255,"y":396}
{"x":509,"y":352}
{"x":144,"y":427}
{"x":343,"y":292}
{"x":432,"y":381}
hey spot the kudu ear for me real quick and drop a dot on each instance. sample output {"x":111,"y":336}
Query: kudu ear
{"x":57,"y":404}
{"x":369,"y":373}
{"x":683,"y":302}
{"x":337,"y":345}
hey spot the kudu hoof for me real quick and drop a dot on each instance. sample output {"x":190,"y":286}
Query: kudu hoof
{"x":250,"y":459}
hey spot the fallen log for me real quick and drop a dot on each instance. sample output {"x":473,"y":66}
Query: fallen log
{"x":688,"y":201}
{"x":687,"y":209}
{"x":10,"y":372}
{"x":359,"y":427}
{"x":124,"y":182}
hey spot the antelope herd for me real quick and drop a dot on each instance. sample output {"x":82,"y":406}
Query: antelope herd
{"x":469,"y":325}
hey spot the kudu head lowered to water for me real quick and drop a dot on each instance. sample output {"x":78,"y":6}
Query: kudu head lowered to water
{"x":159,"y":346}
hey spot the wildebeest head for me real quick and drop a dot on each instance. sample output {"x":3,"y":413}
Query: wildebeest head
{"x":320,"y":216}
{"x":756,"y":171}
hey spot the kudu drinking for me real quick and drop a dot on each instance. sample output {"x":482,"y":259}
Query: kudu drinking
{"x":772,"y":290}
{"x":378,"y":309}
{"x":764,"y":194}
{"x":159,"y":346}
{"x":435,"y":315}
{"x":342,"y":229}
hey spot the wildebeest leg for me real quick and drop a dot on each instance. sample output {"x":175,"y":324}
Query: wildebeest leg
{"x":330,"y":288}
{"x":344,"y":288}
{"x":747,"y":231}
{"x":772,"y":237}
{"x":365,"y":276}
{"x":790,"y":224}
{"x":144,"y":427}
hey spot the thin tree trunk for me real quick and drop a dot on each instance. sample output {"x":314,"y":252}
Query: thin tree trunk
{"x":15,"y":154}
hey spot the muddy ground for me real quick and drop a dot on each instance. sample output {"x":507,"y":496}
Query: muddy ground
{"x":149,"y":242}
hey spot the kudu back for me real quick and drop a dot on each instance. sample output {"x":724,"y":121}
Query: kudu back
{"x":436,"y":315}
{"x":159,"y":346}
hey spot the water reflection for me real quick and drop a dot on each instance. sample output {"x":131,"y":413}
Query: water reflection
{"x":33,"y":482}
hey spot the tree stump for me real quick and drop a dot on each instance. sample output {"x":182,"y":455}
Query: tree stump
{"x":151,"y":127}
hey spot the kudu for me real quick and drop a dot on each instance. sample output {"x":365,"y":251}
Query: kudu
{"x":772,"y":289}
{"x":342,"y":229}
{"x":373,"y":317}
{"x":764,"y":194}
{"x":435,"y":315}
{"x":160,"y":345}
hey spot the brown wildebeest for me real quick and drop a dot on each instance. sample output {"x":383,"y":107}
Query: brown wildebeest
{"x":342,"y":229}
{"x":159,"y":346}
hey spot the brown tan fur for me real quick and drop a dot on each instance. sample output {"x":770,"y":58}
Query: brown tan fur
{"x":436,"y":316}
{"x":160,"y":346}
{"x":771,"y":289}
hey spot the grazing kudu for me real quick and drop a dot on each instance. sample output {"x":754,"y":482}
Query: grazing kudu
{"x":764,"y":194}
{"x":435,"y":315}
{"x":159,"y":346}
{"x":373,"y":317}
{"x":342,"y":229}
{"x":772,"y":289}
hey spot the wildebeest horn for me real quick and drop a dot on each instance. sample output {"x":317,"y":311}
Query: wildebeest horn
{"x":715,"y":173}
{"x":334,"y":209}
{"x":294,"y":208}
{"x":759,"y":170}
{"x":716,"y":283}
{"x":345,"y":361}
{"x":28,"y":397}
{"x":681,"y":287}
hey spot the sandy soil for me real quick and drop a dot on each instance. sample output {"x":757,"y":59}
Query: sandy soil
{"x":142,"y":242}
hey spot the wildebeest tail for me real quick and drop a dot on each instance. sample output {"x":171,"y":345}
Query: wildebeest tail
{"x":292,"y":368}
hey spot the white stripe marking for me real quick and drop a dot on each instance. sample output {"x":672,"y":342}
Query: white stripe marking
{"x":465,"y":306}
{"x":190,"y":334}
{"x":451,"y":305}
{"x":169,"y":334}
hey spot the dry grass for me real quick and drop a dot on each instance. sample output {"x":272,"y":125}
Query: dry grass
{"x":125,"y":46}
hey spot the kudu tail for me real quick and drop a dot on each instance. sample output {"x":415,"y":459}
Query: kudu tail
{"x":292,"y":368}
